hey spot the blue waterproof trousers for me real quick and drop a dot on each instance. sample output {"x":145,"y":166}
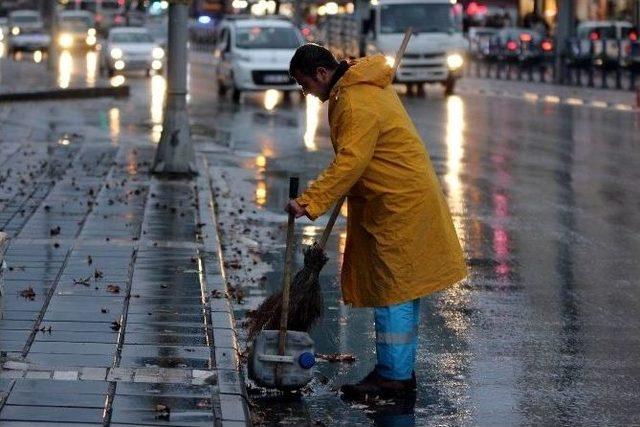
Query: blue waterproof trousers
{"x":397,"y":339}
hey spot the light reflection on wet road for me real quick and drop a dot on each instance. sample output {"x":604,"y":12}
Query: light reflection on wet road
{"x":544,"y":330}
{"x":544,"y":198}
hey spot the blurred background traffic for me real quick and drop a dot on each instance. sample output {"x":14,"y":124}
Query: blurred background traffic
{"x":588,"y":43}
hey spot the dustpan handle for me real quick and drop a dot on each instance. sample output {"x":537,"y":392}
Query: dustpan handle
{"x":332,"y":220}
{"x":288,"y":256}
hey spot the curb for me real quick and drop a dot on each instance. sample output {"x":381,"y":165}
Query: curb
{"x":552,"y":99}
{"x":73,"y":93}
{"x":234,"y":402}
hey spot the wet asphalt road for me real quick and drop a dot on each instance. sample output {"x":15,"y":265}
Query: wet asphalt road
{"x":544,"y":197}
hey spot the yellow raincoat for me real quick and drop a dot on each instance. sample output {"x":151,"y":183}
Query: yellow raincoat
{"x":401,"y":242}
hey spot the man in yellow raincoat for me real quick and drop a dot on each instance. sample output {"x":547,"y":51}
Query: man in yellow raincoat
{"x":401,"y":242}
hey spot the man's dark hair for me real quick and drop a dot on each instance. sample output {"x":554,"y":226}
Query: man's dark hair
{"x":309,"y":57}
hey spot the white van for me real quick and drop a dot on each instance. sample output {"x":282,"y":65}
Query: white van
{"x":254,"y":53}
{"x":437,"y":48}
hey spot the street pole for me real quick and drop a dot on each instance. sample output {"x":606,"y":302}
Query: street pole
{"x":564,"y":30}
{"x":50,"y":15}
{"x":175,"y":155}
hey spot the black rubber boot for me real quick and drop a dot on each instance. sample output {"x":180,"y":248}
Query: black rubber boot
{"x":373,"y":385}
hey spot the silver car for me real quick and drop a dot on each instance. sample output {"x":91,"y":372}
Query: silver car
{"x":26,"y":31}
{"x":131,"y":48}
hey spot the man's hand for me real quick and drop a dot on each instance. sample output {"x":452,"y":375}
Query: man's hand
{"x":296,"y":209}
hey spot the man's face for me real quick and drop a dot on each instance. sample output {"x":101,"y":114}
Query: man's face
{"x":317,"y":85}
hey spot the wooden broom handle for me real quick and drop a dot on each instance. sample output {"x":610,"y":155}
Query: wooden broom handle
{"x":403,"y":46}
{"x":332,"y":221}
{"x":288,"y":256}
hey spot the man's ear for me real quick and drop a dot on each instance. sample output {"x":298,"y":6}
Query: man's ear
{"x":322,"y":73}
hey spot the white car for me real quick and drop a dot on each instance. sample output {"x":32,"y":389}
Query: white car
{"x":254,"y":54}
{"x":76,"y":30}
{"x":131,"y":48}
{"x":26,"y":31}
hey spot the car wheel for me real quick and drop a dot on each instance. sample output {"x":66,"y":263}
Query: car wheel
{"x":235,"y":95}
{"x":449,"y":86}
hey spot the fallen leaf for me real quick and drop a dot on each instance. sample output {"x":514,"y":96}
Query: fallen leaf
{"x":114,"y":289}
{"x":337,"y":357}
{"x":28,"y":293}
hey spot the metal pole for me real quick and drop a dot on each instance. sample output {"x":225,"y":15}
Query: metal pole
{"x":564,"y":30}
{"x":175,"y":155}
{"x":51,"y":19}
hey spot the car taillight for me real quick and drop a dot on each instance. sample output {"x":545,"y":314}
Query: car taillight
{"x":633,"y":36}
{"x":525,"y":37}
{"x":119,"y":19}
{"x":594,"y":36}
{"x":511,"y":45}
{"x":547,"y":45}
{"x":98,"y":17}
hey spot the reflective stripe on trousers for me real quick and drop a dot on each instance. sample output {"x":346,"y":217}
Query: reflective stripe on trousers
{"x":397,"y":339}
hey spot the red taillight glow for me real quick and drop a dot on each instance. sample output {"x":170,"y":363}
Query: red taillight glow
{"x":306,"y":32}
{"x":476,"y":9}
{"x":526,"y":37}
{"x":594,"y":36}
{"x":547,"y":46}
{"x":119,"y":19}
{"x":511,"y":45}
{"x":633,"y":36}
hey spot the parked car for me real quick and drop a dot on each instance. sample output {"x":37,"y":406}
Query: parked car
{"x":131,"y":48}
{"x":76,"y":30}
{"x":254,"y":54}
{"x":479,"y":39}
{"x":26,"y":32}
{"x":602,"y":43}
{"x":107,"y":13}
{"x":519,"y":45}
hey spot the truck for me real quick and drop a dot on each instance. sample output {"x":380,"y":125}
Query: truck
{"x":435,"y":54}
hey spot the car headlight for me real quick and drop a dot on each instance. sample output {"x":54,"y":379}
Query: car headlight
{"x":391,"y":61}
{"x":454,"y":61}
{"x":91,"y":32}
{"x":65,"y":41}
{"x":15,"y":31}
{"x":116,"y":53}
{"x":158,"y":53}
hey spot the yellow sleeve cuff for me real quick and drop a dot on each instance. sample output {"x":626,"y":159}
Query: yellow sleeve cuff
{"x":312,"y":208}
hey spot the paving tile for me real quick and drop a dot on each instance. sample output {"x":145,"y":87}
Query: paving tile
{"x":233,"y":407}
{"x":50,"y":414}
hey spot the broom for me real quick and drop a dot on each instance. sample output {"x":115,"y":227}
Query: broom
{"x":305,"y":297}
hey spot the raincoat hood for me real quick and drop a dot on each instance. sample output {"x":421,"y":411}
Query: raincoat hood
{"x":371,"y":70}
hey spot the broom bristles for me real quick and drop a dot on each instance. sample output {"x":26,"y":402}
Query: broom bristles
{"x":305,"y":304}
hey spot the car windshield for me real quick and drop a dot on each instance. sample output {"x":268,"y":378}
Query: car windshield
{"x":88,"y":5}
{"x":76,"y":22}
{"x":267,"y":38}
{"x":110,"y":5}
{"x":132,"y":38}
{"x":421,"y":17}
{"x":24,"y":19}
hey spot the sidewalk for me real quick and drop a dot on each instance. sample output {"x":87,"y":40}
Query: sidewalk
{"x":107,"y":317}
